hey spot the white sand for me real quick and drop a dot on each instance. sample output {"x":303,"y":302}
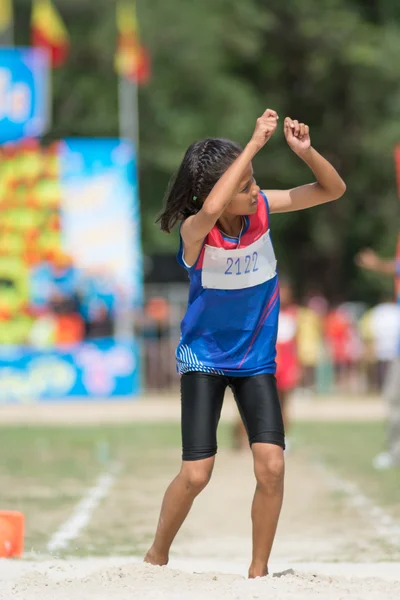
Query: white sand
{"x":121,"y":579}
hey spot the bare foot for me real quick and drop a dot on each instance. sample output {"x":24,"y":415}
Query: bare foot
{"x":153,"y":558}
{"x":257,"y":572}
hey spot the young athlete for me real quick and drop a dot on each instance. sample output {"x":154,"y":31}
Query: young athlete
{"x":230,"y":327}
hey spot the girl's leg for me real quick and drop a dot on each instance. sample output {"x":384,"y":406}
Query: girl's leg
{"x":258,"y":402}
{"x":269,"y":471}
{"x":202,"y":397}
{"x":191,"y":480}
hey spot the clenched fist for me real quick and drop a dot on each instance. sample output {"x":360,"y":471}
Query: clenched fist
{"x":265,"y":128}
{"x":297,"y":135}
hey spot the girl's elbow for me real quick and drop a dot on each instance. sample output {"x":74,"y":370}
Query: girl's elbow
{"x":339,"y":191}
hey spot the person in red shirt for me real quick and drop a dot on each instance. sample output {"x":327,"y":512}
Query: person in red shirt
{"x":339,"y":336}
{"x":287,"y":362}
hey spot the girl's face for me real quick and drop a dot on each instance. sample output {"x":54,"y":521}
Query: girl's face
{"x":246,"y":200}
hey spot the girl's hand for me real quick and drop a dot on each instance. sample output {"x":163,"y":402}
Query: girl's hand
{"x":265,"y":128}
{"x":297,"y":136}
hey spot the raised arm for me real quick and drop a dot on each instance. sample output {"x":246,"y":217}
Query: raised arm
{"x":329,"y":185}
{"x":196,"y":227}
{"x":369,"y":260}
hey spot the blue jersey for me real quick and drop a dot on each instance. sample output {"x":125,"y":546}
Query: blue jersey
{"x":231,"y":323}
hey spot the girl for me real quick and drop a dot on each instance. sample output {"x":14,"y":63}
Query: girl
{"x":230,"y":327}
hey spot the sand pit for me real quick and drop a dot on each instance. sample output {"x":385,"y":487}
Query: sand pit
{"x":210,"y":557}
{"x":122,"y":579}
{"x":328,"y":546}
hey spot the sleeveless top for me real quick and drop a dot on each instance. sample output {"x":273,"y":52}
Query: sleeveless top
{"x":231,"y":323}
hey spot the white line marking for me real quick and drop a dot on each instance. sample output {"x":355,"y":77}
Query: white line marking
{"x":82,"y":514}
{"x":385,"y":526}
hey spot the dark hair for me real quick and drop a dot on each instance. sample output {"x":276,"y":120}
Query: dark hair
{"x":203,"y":165}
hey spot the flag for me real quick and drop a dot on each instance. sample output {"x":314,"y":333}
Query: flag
{"x":131,"y":58}
{"x":48,"y":31}
{"x":6,"y":15}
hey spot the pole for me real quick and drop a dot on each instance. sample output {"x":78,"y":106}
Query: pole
{"x":129,"y":130}
{"x":129,"y":112}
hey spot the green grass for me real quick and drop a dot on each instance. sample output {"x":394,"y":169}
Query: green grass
{"x":349,"y":448}
{"x":45,"y":471}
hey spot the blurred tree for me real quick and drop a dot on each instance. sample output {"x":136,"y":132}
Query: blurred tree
{"x":216,"y":65}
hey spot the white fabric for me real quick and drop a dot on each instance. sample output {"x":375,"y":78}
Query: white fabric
{"x":385,"y":329}
{"x":240,"y":268}
{"x":287,"y":327}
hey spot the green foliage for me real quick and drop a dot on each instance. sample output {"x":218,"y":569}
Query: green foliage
{"x":217,"y":64}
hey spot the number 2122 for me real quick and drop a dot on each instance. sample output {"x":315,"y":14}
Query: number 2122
{"x":247,"y":264}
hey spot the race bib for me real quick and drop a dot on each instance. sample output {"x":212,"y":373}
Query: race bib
{"x":237,"y":269}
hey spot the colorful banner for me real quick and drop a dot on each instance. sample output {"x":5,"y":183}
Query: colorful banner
{"x":100,"y":369}
{"x":70,"y":257}
{"x":24,"y":93}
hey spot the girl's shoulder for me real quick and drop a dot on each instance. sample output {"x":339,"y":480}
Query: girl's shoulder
{"x":188,"y":255}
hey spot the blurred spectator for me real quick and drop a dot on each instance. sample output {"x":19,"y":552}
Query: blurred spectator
{"x":69,"y":327}
{"x":368,"y":259}
{"x":380,"y":328}
{"x":154,"y":329}
{"x":309,"y":340}
{"x":341,"y":344}
{"x":101,"y":323}
{"x":98,"y":300}
{"x":288,"y":366}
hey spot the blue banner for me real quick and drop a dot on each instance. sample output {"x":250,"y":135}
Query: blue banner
{"x":98,"y":369}
{"x":24,"y":93}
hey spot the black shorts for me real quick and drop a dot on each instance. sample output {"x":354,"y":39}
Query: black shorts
{"x":202,"y":396}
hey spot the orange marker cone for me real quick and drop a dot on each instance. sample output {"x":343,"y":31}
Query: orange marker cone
{"x":12,"y":525}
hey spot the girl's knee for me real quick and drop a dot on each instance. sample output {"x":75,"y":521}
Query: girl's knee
{"x":197,"y":474}
{"x":270,"y":470}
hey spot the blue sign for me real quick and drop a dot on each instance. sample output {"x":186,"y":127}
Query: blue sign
{"x":97,"y":369}
{"x":24,"y":93}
